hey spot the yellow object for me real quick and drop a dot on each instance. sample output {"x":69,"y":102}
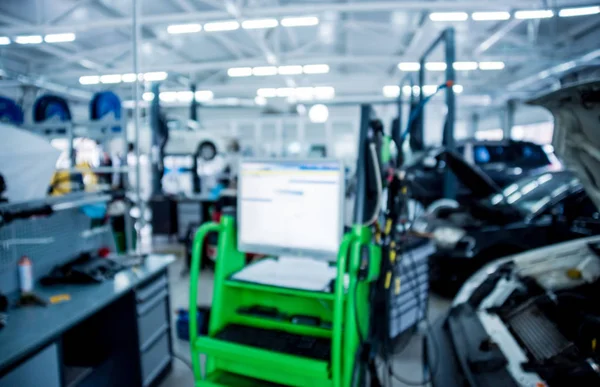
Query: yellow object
{"x":574,"y":273}
{"x":594,"y":344}
{"x":397,"y":289}
{"x":388,"y":279}
{"x":393,"y":256}
{"x":60,"y":298}
{"x":388,"y":226}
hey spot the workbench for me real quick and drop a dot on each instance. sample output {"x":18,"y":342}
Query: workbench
{"x":114,"y":333}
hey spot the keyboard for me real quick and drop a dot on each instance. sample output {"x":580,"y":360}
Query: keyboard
{"x":277,"y":341}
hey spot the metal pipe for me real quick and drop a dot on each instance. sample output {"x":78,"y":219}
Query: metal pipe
{"x":360,"y":205}
{"x":136,"y":12}
{"x":448,"y":139}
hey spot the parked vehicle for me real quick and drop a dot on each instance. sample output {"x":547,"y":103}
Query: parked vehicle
{"x":503,"y":161}
{"x":533,"y":319}
{"x":533,"y":212}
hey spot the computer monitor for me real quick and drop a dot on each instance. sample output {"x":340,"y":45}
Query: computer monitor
{"x":291,"y":207}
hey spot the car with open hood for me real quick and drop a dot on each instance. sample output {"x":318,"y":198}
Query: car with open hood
{"x":532,"y":212}
{"x":533,"y":319}
{"x":503,"y":161}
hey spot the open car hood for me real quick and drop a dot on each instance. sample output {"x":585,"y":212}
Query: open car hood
{"x":471,"y":176}
{"x":576,"y":139}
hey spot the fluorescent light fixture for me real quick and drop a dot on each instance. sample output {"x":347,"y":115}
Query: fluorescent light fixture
{"x":491,"y":65}
{"x":324,"y":92}
{"x":407,"y":89}
{"x":240,"y":72}
{"x":59,"y":38}
{"x":168,"y":96}
{"x":263,"y":71}
{"x":148,"y":96}
{"x":110,"y":79}
{"x":184,"y":28}
{"x":318,"y":114}
{"x":290,"y":70}
{"x":448,"y":16}
{"x":409,"y":66}
{"x":29,"y":39}
{"x":391,"y":91}
{"x":535,"y":14}
{"x":228,"y":25}
{"x":185,"y":96}
{"x":458,"y":89}
{"x":435,"y":66}
{"x":4,"y":40}
{"x":260,"y":101}
{"x":300,"y":21}
{"x":304,"y":93}
{"x":464,"y":66}
{"x":204,"y":95}
{"x":128,"y":78}
{"x":285,"y":92}
{"x":316,"y":69}
{"x":267,"y":92}
{"x":483,"y":16}
{"x":155,"y":76}
{"x":429,"y":89}
{"x":89,"y":80}
{"x":259,"y":23}
{"x":580,"y":11}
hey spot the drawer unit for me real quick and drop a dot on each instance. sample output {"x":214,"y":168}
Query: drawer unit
{"x":155,"y":358}
{"x":152,"y":319}
{"x":39,"y":370}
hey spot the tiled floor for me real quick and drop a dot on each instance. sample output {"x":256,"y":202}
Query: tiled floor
{"x":407,"y":363}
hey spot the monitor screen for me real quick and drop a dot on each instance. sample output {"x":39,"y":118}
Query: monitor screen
{"x":289,"y":207}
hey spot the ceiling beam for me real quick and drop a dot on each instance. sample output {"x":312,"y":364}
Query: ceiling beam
{"x":494,"y":38}
{"x":281,"y":10}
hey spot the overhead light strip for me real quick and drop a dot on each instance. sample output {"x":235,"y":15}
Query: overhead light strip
{"x":262,"y":71}
{"x":459,"y":66}
{"x":393,"y":91}
{"x":298,"y":93}
{"x":580,"y":11}
{"x":60,"y":38}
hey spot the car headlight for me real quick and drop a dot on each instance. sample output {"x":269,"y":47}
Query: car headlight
{"x":448,"y":237}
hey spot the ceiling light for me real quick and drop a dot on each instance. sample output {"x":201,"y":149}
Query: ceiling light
{"x":318,"y":114}
{"x":580,"y":11}
{"x":535,"y":14}
{"x":429,"y":89}
{"x":184,"y":28}
{"x":316,"y":69}
{"x":229,"y":25}
{"x":290,"y":70}
{"x":409,"y":66}
{"x":267,"y":92}
{"x":239,"y":72}
{"x":285,"y":92}
{"x":128,"y":78}
{"x":185,"y":96}
{"x":262,"y":71}
{"x":458,"y":89}
{"x":29,"y":39}
{"x":304,"y":93}
{"x":300,"y":21}
{"x":204,"y":95}
{"x":464,"y":66}
{"x":435,"y":66}
{"x":168,"y":96}
{"x":148,"y":96}
{"x":482,"y":16}
{"x":155,"y":76}
{"x":259,"y":23}
{"x":491,"y":65}
{"x":391,"y":91}
{"x":448,"y":16}
{"x":324,"y":92}
{"x":59,"y":38}
{"x":4,"y":40}
{"x":110,"y":79}
{"x":260,"y":101}
{"x":89,"y":80}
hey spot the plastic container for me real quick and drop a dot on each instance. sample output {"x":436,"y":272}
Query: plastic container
{"x":183,"y":322}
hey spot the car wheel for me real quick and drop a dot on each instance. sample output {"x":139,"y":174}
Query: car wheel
{"x":207,"y":151}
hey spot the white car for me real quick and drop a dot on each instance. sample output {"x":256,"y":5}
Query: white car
{"x":186,"y":137}
{"x":533,"y":319}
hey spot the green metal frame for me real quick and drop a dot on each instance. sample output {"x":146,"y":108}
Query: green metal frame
{"x":231,"y":364}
